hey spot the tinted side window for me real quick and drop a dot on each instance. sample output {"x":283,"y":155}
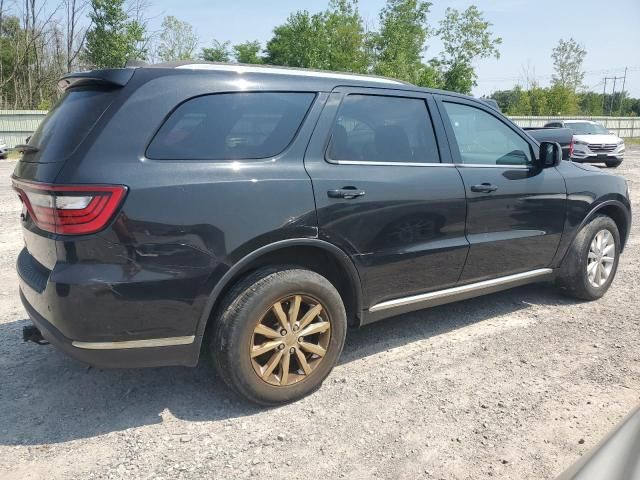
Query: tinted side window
{"x":483,"y":139}
{"x":383,"y":129}
{"x":231,"y":126}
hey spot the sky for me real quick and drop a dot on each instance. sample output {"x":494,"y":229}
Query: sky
{"x":609,"y":31}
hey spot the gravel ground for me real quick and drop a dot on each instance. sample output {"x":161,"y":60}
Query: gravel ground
{"x":516,"y":385}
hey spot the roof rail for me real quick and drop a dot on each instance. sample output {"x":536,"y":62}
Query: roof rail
{"x":240,"y":68}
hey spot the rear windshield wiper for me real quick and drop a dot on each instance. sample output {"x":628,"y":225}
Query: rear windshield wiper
{"x":23,"y":148}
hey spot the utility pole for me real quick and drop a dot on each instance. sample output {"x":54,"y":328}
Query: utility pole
{"x":613,"y":95}
{"x":613,"y":92}
{"x":624,"y":80}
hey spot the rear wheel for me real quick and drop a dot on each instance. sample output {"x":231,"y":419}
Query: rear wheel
{"x":280,"y":334}
{"x":592,"y":260}
{"x":613,"y":163}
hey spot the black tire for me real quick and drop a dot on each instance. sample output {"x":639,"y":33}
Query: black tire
{"x":613,"y":164}
{"x":572,"y":277}
{"x":239,"y":314}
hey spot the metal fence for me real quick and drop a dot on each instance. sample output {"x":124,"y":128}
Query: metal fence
{"x":624,"y":127}
{"x":17,"y":125}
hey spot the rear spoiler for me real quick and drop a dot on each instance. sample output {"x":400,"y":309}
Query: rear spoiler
{"x":116,"y":77}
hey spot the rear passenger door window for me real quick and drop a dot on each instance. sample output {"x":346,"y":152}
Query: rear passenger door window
{"x":482,"y":139}
{"x":231,"y":126}
{"x":383,"y":129}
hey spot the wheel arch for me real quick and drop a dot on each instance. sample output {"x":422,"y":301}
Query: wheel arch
{"x":316,"y":255}
{"x":617,"y":211}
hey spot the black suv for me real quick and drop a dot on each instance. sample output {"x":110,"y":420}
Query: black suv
{"x":257,"y":212}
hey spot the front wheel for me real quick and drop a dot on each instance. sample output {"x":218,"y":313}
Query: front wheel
{"x":280,"y":334}
{"x":592,"y":260}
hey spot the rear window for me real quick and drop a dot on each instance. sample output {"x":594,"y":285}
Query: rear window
{"x":231,"y":126}
{"x":68,"y":123}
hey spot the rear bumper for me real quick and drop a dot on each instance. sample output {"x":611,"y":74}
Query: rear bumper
{"x":108,"y":355}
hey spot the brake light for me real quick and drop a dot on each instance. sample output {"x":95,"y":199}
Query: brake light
{"x":70,"y":209}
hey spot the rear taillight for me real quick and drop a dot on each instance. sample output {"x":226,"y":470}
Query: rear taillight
{"x":70,"y":209}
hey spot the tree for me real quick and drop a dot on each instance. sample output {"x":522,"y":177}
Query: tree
{"x":398,"y":46}
{"x":562,"y":100}
{"x":568,"y":57}
{"x":218,"y":52}
{"x":113,"y":37}
{"x":538,"y":100}
{"x":466,"y":37}
{"x":178,"y":41}
{"x":330,"y":40}
{"x":296,"y":43}
{"x":76,"y":35}
{"x":343,"y":32}
{"x":521,"y":103}
{"x":248,"y":52}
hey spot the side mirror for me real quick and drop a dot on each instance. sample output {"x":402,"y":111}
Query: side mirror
{"x":613,"y":133}
{"x":550,"y":154}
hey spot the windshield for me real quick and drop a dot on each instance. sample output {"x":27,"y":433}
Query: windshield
{"x":584,"y":128}
{"x":67,"y":124}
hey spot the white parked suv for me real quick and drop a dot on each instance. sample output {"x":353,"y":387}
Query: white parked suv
{"x":4,"y":149}
{"x":592,"y":142}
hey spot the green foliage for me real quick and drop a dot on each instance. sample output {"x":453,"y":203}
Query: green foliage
{"x":329,"y":40}
{"x":398,"y":47}
{"x":218,"y":52}
{"x":296,"y":43}
{"x":113,"y":37}
{"x":568,"y":57}
{"x":466,"y":37}
{"x":178,"y":41}
{"x":562,"y":100}
{"x":521,"y":102}
{"x":248,"y":52}
{"x":344,"y":37}
{"x":558,"y":100}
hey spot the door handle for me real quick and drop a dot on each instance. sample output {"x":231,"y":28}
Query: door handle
{"x":346,"y":192}
{"x":484,"y":188}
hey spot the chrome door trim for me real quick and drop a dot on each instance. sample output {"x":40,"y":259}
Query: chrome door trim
{"x":461,"y":290}
{"x":390,"y":164}
{"x":153,"y":342}
{"x":489,"y":165}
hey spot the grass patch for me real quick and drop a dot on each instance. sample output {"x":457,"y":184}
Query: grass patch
{"x":632,"y":141}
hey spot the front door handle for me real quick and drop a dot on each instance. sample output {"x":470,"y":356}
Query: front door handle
{"x":484,"y":188}
{"x":346,"y":192}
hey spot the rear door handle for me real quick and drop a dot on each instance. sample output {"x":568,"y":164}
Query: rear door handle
{"x":484,"y":188}
{"x":346,"y":192}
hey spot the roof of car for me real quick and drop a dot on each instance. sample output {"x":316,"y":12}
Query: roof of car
{"x":330,"y":78}
{"x":302,"y":77}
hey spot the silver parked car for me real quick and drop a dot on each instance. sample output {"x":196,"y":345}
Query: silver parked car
{"x":4,"y":149}
{"x":593,"y":143}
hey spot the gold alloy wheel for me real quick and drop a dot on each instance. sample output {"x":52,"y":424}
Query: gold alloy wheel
{"x":290,"y":340}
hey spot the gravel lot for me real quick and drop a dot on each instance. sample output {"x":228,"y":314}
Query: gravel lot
{"x":516,"y":385}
